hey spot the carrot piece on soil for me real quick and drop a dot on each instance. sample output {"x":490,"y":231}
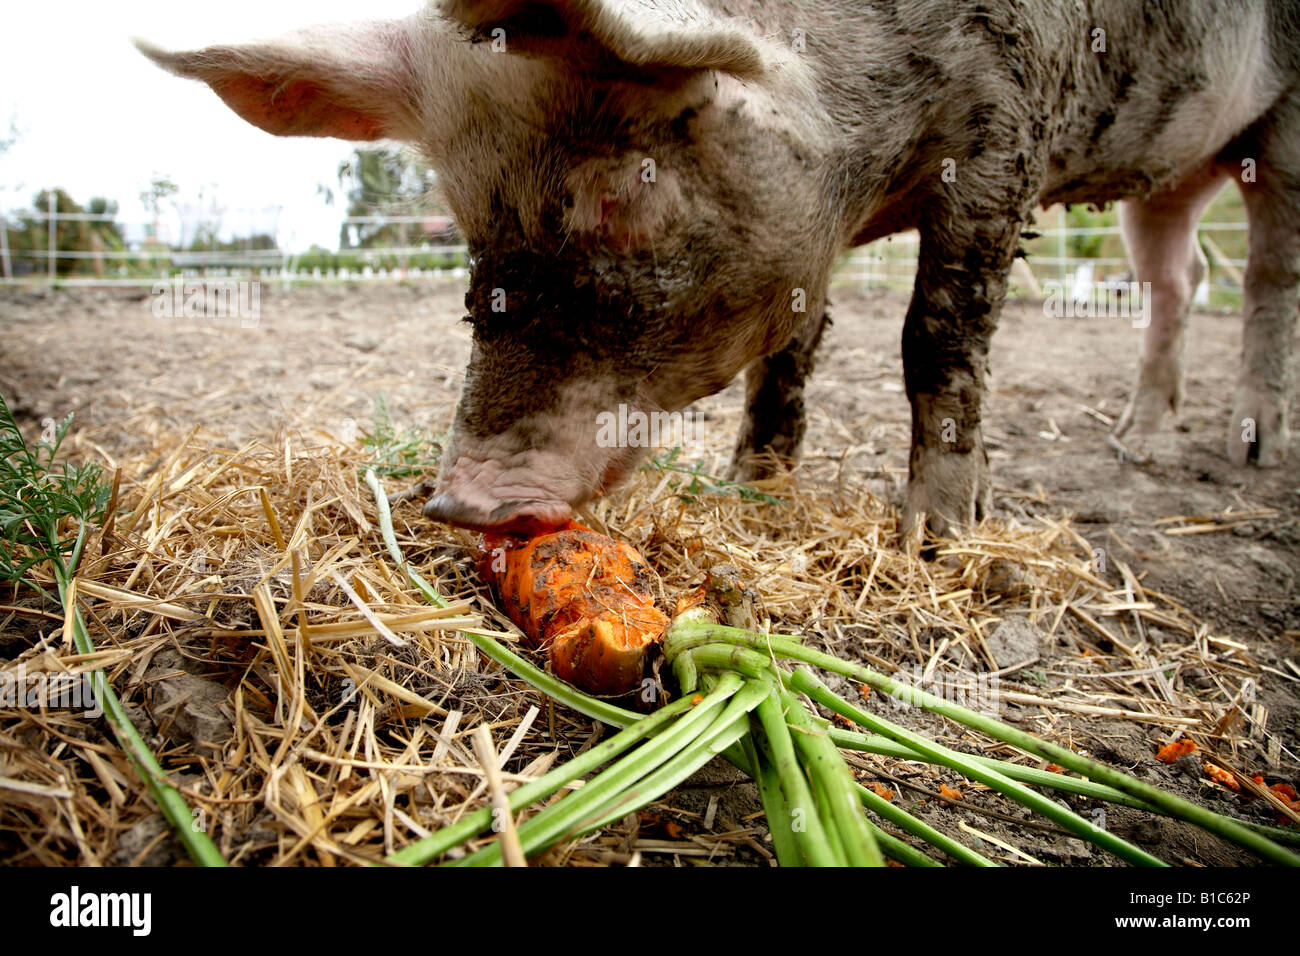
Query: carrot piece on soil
{"x":1171,"y":752}
{"x":1221,"y":776}
{"x":882,"y":791}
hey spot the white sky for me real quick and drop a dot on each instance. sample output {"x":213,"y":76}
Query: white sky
{"x":98,"y":119}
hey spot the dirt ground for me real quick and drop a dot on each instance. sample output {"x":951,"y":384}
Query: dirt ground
{"x":323,"y":354}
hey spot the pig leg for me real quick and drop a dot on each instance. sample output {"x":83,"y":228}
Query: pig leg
{"x":1258,"y":431}
{"x":960,"y":282}
{"x":775,"y":418}
{"x":1160,"y":234}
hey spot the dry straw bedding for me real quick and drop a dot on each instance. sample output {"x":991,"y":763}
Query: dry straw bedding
{"x":315,"y":711}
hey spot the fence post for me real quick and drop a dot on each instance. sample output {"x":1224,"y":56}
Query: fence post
{"x":1061,"y":247}
{"x":51,"y":229}
{"x":4,"y":250}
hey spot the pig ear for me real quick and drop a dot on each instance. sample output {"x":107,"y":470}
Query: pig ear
{"x":681,"y":33}
{"x":350,"y":81}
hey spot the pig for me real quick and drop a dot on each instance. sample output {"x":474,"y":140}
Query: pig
{"x":654,"y":195}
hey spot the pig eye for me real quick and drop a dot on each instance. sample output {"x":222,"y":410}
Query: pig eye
{"x":533,"y":20}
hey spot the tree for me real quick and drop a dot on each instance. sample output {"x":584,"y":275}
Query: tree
{"x":32,"y":235}
{"x":383,"y":181}
{"x":1087,"y":216}
{"x":160,"y":188}
{"x":109,"y":230}
{"x":8,"y":141}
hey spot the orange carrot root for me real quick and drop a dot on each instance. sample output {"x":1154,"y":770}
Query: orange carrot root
{"x":581,"y":597}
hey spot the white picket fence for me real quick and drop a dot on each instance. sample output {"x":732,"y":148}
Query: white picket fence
{"x":891,"y":263}
{"x":888,"y":262}
{"x":147,"y":261}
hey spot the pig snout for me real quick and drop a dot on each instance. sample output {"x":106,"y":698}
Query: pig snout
{"x":522,"y":517}
{"x":525,"y":493}
{"x":521,"y":494}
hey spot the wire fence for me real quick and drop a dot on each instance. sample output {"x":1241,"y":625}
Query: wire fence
{"x":888,"y":263}
{"x":1050,"y":267}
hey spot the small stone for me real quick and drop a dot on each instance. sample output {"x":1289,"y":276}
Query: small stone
{"x":1148,"y":832}
{"x":163,"y":852}
{"x":1014,"y":641}
{"x":362,"y":343}
{"x":193,"y":703}
{"x":1078,"y":849}
{"x":1189,"y":765}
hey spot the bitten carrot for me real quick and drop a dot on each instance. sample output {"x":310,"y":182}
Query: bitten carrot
{"x":882,"y":791}
{"x":1221,"y":776}
{"x":583,"y":598}
{"x":1179,"y":748}
{"x":1286,"y":793}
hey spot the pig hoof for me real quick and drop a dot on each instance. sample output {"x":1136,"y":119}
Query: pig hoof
{"x":1146,"y":448}
{"x":1144,"y":422}
{"x":753,"y":468}
{"x":1147,"y":411}
{"x":1137,"y":455}
{"x":952,"y":491}
{"x":1258,"y":431}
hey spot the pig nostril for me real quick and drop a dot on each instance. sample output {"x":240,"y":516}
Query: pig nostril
{"x":513,"y":517}
{"x":448,"y":510}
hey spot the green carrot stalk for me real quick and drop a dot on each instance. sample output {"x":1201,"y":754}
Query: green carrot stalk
{"x":896,"y":849}
{"x":434,"y":845}
{"x":570,"y":814}
{"x":826,"y":765}
{"x":876,"y":744}
{"x":804,"y":821}
{"x":906,"y":821}
{"x":790,"y":648}
{"x":804,"y":681}
{"x":873,"y":743}
{"x":769,"y":792}
{"x":748,"y":760}
{"x":726,"y":730}
{"x":825,"y":814}
{"x":582,"y":813}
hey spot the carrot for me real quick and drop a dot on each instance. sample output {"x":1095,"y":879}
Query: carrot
{"x":583,"y":598}
{"x":1221,"y":776}
{"x":1286,"y":793}
{"x":1179,"y":748}
{"x":880,"y":790}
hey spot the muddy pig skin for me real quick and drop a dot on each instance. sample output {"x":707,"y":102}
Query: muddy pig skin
{"x":654,"y":195}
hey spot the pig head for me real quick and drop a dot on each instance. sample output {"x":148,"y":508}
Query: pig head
{"x":634,"y":188}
